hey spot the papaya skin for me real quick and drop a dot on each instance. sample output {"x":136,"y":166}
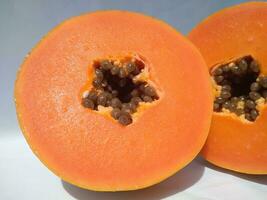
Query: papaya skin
{"x":228,"y":34}
{"x":90,"y":150}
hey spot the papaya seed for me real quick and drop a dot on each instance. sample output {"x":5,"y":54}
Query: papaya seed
{"x":113,"y":86}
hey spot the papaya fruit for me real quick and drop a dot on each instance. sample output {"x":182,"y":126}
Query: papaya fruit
{"x":114,"y":100}
{"x":232,"y":41}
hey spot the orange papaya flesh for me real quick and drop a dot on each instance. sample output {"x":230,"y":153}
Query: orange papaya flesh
{"x":87,"y":147}
{"x":237,"y":142}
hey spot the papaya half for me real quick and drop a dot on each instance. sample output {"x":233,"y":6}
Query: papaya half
{"x":114,"y":100}
{"x":234,"y":44}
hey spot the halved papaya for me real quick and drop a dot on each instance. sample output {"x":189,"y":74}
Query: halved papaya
{"x":114,"y":100}
{"x":234,"y":44}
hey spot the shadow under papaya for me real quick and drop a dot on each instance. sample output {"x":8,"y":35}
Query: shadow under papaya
{"x":179,"y":182}
{"x":261,"y":179}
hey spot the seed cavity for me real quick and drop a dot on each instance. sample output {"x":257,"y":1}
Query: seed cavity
{"x":240,"y":87}
{"x":116,"y":85}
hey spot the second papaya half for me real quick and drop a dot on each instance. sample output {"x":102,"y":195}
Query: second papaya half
{"x":234,"y":44}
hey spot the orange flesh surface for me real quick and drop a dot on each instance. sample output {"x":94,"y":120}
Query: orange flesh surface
{"x":89,"y":149}
{"x":231,"y":33}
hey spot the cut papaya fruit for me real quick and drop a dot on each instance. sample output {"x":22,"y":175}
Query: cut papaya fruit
{"x":114,"y":100}
{"x":234,"y":44}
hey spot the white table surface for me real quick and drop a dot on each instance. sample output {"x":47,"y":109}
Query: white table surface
{"x":23,"y":176}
